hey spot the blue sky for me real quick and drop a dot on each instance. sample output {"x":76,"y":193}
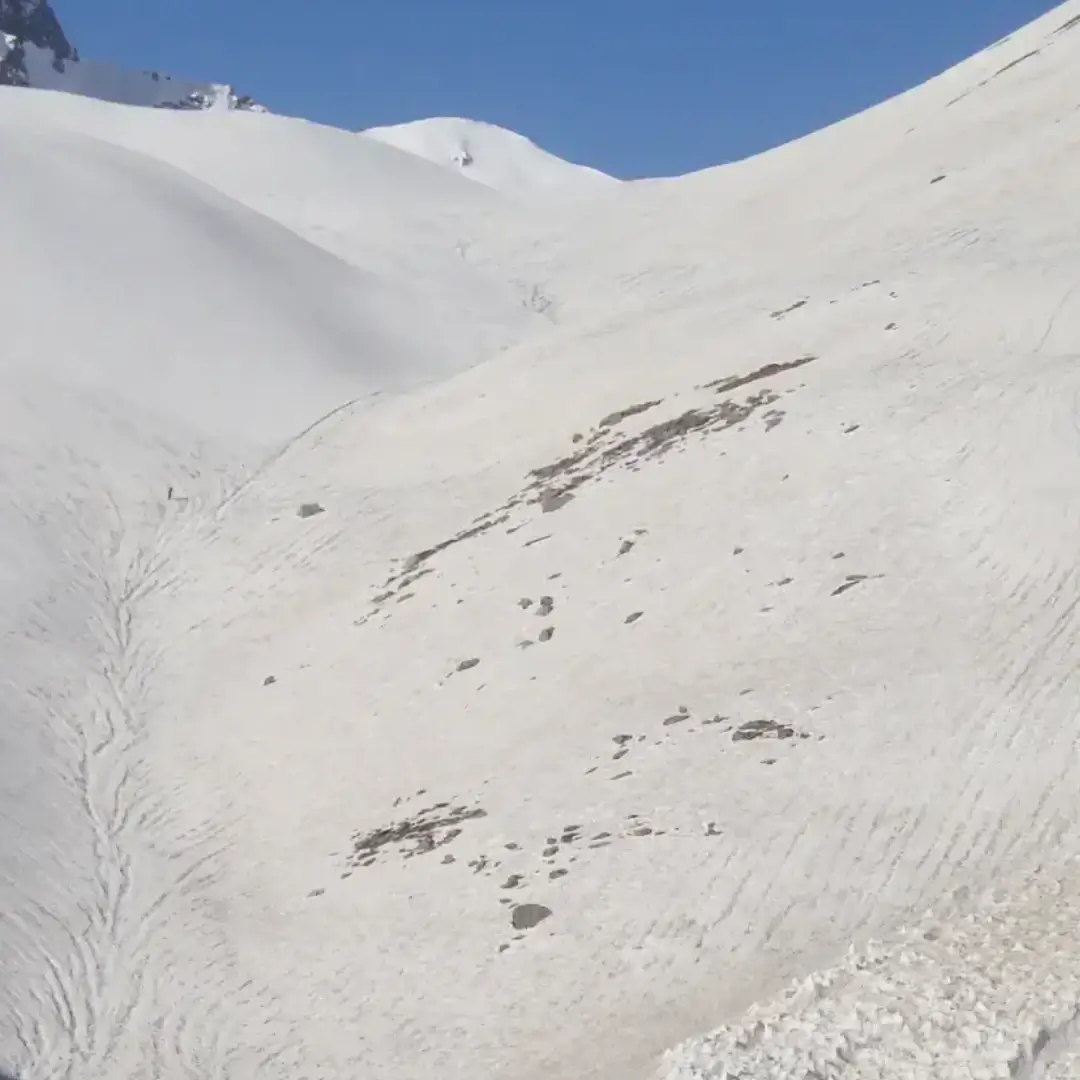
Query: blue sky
{"x":634,"y":87}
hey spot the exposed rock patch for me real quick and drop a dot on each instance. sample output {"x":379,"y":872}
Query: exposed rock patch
{"x":424,"y":832}
{"x":526,"y":916}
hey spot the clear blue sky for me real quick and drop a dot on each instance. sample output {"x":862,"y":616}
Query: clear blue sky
{"x":634,"y":87}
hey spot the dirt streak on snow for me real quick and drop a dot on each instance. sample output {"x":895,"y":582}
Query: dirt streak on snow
{"x":591,"y":670}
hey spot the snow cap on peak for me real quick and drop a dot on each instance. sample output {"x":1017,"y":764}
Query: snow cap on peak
{"x":491,"y":155}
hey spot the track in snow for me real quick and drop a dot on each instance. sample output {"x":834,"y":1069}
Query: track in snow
{"x":98,"y":989}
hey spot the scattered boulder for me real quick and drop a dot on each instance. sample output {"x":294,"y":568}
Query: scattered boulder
{"x":309,"y":510}
{"x":526,"y":916}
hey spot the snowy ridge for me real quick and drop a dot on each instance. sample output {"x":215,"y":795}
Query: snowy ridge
{"x":491,"y":155}
{"x":538,"y":631}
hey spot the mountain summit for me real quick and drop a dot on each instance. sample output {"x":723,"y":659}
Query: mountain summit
{"x":490,"y":154}
{"x":35,"y":52}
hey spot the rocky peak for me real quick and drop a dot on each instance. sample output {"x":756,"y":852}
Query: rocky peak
{"x":35,"y":52}
{"x":30,"y":22}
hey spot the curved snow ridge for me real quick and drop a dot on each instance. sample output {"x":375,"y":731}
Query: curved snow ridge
{"x":491,"y":155}
{"x":993,"y":991}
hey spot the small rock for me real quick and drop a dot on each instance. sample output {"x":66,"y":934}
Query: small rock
{"x":620,"y":740}
{"x":524,"y":602}
{"x":547,"y":633}
{"x":633,"y":617}
{"x":556,"y":874}
{"x":269,"y":680}
{"x":626,"y":547}
{"x":622,"y":775}
{"x":466,"y":664}
{"x":678,"y":718}
{"x":316,"y":892}
{"x":526,"y":916}
{"x":309,"y":510}
{"x":512,"y":882}
{"x":550,"y":852}
{"x":547,"y":605}
{"x":551,"y":501}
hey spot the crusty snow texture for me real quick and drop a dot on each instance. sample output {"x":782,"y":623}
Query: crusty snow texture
{"x":458,"y":636}
{"x":992,"y":992}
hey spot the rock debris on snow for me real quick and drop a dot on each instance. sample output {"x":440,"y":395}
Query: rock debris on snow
{"x":255,"y":309}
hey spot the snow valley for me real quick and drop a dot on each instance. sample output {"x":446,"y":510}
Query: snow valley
{"x":466,"y":616}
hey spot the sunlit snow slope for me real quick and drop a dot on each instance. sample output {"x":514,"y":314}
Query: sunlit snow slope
{"x":536,"y":714}
{"x":490,"y":155}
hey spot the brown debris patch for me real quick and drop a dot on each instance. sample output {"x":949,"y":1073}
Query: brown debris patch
{"x":734,"y":382}
{"x":618,"y":417}
{"x":761,"y":729}
{"x":420,"y":834}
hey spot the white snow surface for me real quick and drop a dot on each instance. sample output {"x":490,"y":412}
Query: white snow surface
{"x":382,"y":554}
{"x":491,"y":155}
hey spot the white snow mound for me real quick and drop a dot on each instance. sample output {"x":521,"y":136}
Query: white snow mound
{"x":491,"y":155}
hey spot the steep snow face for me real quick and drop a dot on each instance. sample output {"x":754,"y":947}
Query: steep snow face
{"x":491,"y":155}
{"x":543,"y":715}
{"x":34,"y":52}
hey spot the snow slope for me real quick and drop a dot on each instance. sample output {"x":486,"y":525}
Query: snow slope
{"x":384,"y":212}
{"x":491,"y":155}
{"x":535,"y":718}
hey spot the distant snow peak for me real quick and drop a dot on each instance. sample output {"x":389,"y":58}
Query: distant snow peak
{"x":35,"y":53}
{"x":490,"y":154}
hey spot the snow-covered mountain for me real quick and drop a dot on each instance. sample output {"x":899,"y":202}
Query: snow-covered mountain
{"x":35,"y":52}
{"x":490,"y":155}
{"x":538,"y":635}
